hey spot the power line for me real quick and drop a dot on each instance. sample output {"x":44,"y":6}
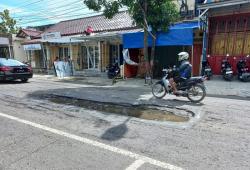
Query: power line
{"x":55,"y":16}
{"x":61,"y":17}
{"x":64,"y":17}
{"x":31,"y":15}
{"x":17,"y":5}
{"x":43,"y":15}
{"x":49,"y":9}
{"x":22,"y":6}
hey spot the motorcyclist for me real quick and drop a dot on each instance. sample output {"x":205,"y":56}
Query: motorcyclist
{"x":182,"y":73}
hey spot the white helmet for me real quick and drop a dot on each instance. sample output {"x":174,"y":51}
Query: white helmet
{"x":183,"y":56}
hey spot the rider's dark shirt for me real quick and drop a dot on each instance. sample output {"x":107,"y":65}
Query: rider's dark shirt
{"x":185,"y":69}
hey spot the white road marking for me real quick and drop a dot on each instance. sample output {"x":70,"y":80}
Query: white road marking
{"x":95,"y":143}
{"x":135,"y":165}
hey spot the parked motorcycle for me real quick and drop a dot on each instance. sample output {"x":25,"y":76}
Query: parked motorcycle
{"x":113,"y":70}
{"x":206,"y":70}
{"x":226,"y":70}
{"x":192,"y":88}
{"x":243,"y":71}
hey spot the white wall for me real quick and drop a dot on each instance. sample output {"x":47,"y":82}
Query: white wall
{"x":19,"y":53}
{"x":190,"y":3}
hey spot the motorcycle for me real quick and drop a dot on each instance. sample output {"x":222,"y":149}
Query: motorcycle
{"x":206,"y":70}
{"x":226,"y":70}
{"x":242,"y":69}
{"x":113,"y":70}
{"x":192,"y":88}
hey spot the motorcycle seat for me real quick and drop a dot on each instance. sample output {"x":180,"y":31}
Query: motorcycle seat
{"x":195,"y":78}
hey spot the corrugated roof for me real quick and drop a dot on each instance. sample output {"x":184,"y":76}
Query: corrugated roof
{"x":31,"y":33}
{"x":121,"y":21}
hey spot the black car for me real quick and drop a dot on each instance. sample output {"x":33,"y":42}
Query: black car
{"x":11,"y":69}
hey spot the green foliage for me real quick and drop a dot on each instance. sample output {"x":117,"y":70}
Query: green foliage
{"x":159,"y":13}
{"x":7,"y":24}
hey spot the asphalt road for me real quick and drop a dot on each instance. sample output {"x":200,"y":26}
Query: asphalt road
{"x":38,"y":134}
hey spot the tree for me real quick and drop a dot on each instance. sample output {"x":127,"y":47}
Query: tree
{"x":157,"y":14}
{"x":7,"y":24}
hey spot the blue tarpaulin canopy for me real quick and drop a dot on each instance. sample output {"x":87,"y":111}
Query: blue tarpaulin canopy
{"x":178,"y":34}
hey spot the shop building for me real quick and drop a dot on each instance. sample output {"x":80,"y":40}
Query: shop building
{"x":6,"y":50}
{"x":184,"y":36}
{"x":91,"y":43}
{"x":228,"y":24}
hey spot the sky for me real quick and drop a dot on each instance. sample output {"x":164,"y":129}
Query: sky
{"x":42,"y":12}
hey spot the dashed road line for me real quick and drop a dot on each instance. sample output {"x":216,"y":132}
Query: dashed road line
{"x":135,"y":165}
{"x":96,"y":144}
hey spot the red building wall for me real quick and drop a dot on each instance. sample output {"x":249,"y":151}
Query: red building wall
{"x":228,"y":35}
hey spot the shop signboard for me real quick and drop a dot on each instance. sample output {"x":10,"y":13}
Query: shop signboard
{"x":32,"y":47}
{"x":51,"y":35}
{"x":4,"y":41}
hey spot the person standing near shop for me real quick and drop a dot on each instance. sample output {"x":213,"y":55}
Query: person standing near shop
{"x":54,"y":65}
{"x":70,"y":65}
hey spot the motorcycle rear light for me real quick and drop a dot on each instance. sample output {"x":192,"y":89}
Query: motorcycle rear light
{"x":5,"y":68}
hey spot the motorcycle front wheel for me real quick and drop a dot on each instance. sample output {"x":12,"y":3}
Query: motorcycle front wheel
{"x":196,"y":93}
{"x":158,"y":90}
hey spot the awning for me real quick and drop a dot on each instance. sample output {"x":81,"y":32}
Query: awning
{"x":114,"y":36}
{"x":178,"y":35}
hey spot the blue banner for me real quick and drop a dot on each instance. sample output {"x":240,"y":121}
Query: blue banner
{"x":178,"y":35}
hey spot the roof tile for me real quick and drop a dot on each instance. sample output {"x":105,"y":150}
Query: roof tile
{"x":32,"y":33}
{"x":120,"y":21}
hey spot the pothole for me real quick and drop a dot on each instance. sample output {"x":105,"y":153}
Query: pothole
{"x":139,"y":111}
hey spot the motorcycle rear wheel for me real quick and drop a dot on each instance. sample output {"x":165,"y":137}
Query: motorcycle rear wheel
{"x":158,"y":90}
{"x":197,"y":90}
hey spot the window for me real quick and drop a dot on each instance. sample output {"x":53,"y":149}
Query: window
{"x":66,"y":52}
{"x":60,"y":53}
{"x":63,"y":52}
{"x":114,"y":54}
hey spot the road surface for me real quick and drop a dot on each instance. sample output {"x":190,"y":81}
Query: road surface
{"x":38,"y":134}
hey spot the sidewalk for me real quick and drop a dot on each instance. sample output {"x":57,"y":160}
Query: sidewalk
{"x":220,"y":87}
{"x":215,"y":87}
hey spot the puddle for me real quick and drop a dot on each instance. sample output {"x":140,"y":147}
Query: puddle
{"x":140,"y":111}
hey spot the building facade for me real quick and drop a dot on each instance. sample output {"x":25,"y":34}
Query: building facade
{"x":228,"y":31}
{"x":91,"y":43}
{"x":6,"y":50}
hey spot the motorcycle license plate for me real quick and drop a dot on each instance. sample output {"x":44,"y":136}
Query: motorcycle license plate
{"x":229,"y":72}
{"x":208,"y":69}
